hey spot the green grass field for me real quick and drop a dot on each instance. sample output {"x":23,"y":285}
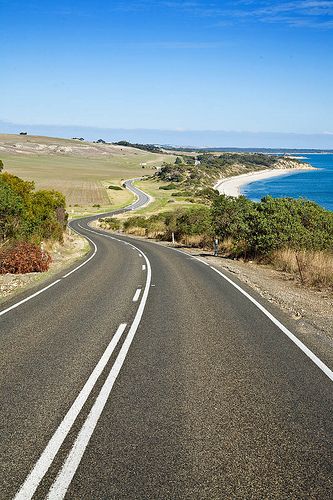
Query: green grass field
{"x":163,"y":200}
{"x":82,"y":174}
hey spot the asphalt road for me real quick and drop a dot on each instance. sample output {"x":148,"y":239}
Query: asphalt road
{"x":145,"y":374}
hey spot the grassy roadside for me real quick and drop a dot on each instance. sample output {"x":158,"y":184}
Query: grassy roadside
{"x":163,"y":200}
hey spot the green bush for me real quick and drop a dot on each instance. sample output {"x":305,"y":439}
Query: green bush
{"x":168,"y":187}
{"x":29,"y":215}
{"x":182,"y":193}
{"x":111,"y":223}
{"x":258,"y":229}
{"x":194,"y":221}
{"x":115,"y":188}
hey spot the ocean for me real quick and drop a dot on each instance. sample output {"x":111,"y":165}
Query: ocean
{"x":315,"y":185}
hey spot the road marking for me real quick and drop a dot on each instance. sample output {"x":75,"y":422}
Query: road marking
{"x":140,"y":255}
{"x":202,"y":261}
{"x":324,"y":368}
{"x":29,"y":298}
{"x":32,"y":481}
{"x":143,"y":267}
{"x":59,"y":487}
{"x":137,"y":295}
{"x":74,"y":270}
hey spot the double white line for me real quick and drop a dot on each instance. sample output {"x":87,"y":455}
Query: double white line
{"x":59,"y":487}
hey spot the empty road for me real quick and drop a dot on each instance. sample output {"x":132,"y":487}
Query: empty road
{"x":143,"y":373}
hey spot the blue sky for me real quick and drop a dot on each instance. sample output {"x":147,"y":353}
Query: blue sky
{"x":243,"y":66}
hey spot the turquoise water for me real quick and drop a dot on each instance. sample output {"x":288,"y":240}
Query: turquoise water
{"x":315,"y":185}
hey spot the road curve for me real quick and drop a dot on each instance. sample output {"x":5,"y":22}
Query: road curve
{"x":142,"y":373}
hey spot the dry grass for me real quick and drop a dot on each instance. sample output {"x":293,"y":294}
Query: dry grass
{"x":312,"y":268}
{"x":136,"y":231}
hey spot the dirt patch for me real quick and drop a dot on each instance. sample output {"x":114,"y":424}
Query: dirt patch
{"x":73,"y":248}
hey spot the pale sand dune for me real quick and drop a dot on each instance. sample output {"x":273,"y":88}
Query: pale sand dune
{"x":231,"y":186}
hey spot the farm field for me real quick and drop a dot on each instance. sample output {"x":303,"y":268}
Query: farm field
{"x":82,"y":171}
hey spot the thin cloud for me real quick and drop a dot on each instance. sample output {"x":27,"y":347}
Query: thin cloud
{"x":298,"y":13}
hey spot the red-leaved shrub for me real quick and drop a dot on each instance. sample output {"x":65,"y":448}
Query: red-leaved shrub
{"x":22,"y":258}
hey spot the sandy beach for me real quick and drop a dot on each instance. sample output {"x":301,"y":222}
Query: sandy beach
{"x":231,"y":186}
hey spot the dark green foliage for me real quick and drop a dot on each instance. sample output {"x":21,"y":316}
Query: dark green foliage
{"x":115,"y":188}
{"x":136,"y":221}
{"x":286,"y":222}
{"x":145,"y":147}
{"x":194,"y":221}
{"x":257,"y":229}
{"x":168,"y":187}
{"x":182,"y":193}
{"x":250,"y":160}
{"x":198,"y":173}
{"x":111,"y":223}
{"x":1,"y":165}
{"x":208,"y":194}
{"x":29,"y":215}
{"x":171,"y":173}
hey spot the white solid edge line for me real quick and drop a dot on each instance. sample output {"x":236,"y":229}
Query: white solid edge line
{"x":29,"y":298}
{"x":59,"y":487}
{"x":42,"y":465}
{"x":17,"y":304}
{"x":324,"y":368}
{"x":202,"y":261}
{"x":137,"y":295}
{"x":66,"y":275}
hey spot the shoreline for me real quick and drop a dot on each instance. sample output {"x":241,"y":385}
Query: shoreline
{"x":231,"y":186}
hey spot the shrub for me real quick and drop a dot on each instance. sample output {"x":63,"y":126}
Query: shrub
{"x":182,"y":193}
{"x":258,"y":229}
{"x":29,"y":215}
{"x":115,"y":188}
{"x":168,"y":187}
{"x":194,"y":221}
{"x":288,"y":223}
{"x":24,"y":257}
{"x":111,"y":223}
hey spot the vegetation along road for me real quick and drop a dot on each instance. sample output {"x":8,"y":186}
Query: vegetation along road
{"x":143,"y":373}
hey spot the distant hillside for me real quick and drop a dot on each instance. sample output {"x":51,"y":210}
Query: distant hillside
{"x":81,"y":170}
{"x":274,"y":151}
{"x":29,"y":144}
{"x":204,"y":169}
